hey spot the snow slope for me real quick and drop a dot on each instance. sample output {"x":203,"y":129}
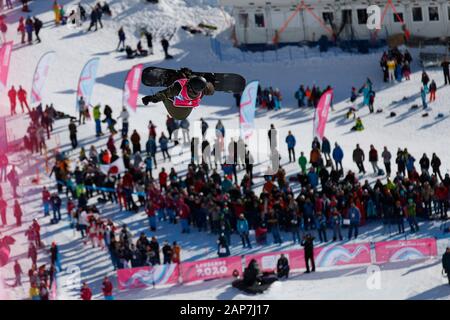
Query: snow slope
{"x":342,"y":71}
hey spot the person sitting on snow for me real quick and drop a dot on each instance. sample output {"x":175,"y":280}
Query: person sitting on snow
{"x":140,"y":50}
{"x":183,"y":95}
{"x":283,"y":267}
{"x":351,"y":113}
{"x":130,"y":52}
{"x":358,"y":125}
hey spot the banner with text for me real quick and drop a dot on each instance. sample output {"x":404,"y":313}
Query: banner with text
{"x":210,"y":269}
{"x":392,"y":251}
{"x":267,"y":261}
{"x":131,"y":87}
{"x":248,"y":109}
{"x":87,"y":81}
{"x":321,"y":115}
{"x":40,"y":76}
{"x":160,"y":275}
{"x":5,"y":58}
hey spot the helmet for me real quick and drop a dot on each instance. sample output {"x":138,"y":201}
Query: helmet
{"x":197,"y":84}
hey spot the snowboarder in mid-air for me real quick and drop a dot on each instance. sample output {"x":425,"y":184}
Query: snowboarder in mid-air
{"x":183,"y":95}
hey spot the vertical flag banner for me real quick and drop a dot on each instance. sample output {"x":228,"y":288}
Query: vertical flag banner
{"x":40,"y":76}
{"x":87,"y":81}
{"x":321,"y":115}
{"x":131,"y":87}
{"x":248,"y":109}
{"x":5,"y":58}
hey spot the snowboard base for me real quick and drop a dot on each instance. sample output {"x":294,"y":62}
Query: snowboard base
{"x":223,"y":82}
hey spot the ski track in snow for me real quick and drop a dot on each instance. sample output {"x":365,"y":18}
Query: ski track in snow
{"x":73,"y":48}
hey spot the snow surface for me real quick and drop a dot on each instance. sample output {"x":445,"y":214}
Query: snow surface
{"x":73,"y":48}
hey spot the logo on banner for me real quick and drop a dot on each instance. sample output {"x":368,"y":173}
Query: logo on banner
{"x":373,"y":281}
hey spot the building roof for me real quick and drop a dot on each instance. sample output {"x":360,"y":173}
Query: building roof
{"x":262,"y":3}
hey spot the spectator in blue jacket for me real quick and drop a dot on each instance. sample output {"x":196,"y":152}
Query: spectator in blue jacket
{"x":164,"y":145}
{"x":149,"y":165}
{"x":321,"y":226}
{"x":300,"y":95}
{"x":410,"y":163}
{"x":308,"y":214}
{"x":290,"y":141}
{"x":326,"y":149}
{"x":313,"y":178}
{"x":150,"y":148}
{"x":355,"y":215}
{"x":243,"y":230}
{"x":423,"y":95}
{"x":338,"y":155}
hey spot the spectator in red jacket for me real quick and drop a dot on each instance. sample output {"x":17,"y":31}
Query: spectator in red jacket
{"x":107,"y":289}
{"x":3,"y":207}
{"x":86,"y":292}
{"x":21,"y":29}
{"x":18,"y":272}
{"x":22,"y":96}
{"x":261,"y":234}
{"x":32,"y":253}
{"x":441,"y":193}
{"x":150,"y":209}
{"x":3,"y":167}
{"x":46,"y":201}
{"x":185,"y":212}
{"x":36,"y":228}
{"x":12,"y":95}
{"x":18,"y":213}
{"x":163,"y":179}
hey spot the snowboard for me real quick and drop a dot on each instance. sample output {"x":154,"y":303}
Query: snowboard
{"x":224,"y":82}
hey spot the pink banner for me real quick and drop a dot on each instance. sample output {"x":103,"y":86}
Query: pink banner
{"x":268,"y":261}
{"x":337,"y":255}
{"x":392,"y":251}
{"x":210,"y":269}
{"x":321,"y":115}
{"x":166,"y":274}
{"x":5,"y":58}
{"x":131,"y":87}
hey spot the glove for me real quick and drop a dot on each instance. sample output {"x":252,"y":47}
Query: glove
{"x":146,"y":100}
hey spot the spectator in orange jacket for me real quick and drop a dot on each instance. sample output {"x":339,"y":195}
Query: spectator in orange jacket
{"x":176,"y":253}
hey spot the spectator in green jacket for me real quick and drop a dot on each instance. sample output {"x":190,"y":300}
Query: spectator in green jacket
{"x":302,"y":161}
{"x":411,"y":210}
{"x":98,"y":126}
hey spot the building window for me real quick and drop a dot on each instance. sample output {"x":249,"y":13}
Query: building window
{"x":398,"y":18}
{"x":362,"y":16}
{"x":259,"y":20}
{"x":347,"y":16}
{"x":448,"y":11}
{"x":433,"y":13}
{"x":243,"y":20}
{"x":417,"y":14}
{"x":328,"y":17}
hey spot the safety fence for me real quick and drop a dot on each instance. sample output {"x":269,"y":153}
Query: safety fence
{"x":328,"y":256}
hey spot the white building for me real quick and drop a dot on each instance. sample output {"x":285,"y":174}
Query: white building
{"x":259,"y":21}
